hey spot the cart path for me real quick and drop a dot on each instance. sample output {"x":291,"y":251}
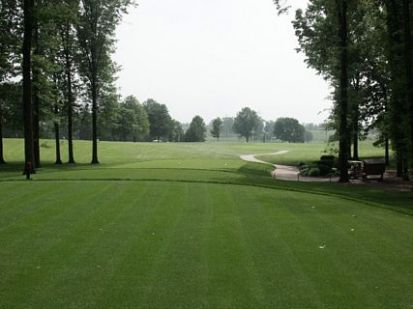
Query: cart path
{"x":285,"y":172}
{"x":252,"y":157}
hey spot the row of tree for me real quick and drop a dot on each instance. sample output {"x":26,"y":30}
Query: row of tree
{"x":55,"y":57}
{"x":364,"y":50}
{"x":248,"y":124}
{"x":52,"y":54}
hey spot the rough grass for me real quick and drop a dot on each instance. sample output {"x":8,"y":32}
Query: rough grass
{"x":192,"y":226}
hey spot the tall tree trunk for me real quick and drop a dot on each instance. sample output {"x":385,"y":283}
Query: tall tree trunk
{"x":36,"y":127}
{"x":356,"y":144}
{"x":2,"y":161}
{"x":387,"y":150}
{"x":36,"y":98}
{"x":355,"y":113}
{"x":343,"y":100}
{"x":94,"y":123}
{"x":356,"y":132}
{"x":57,"y":135}
{"x":399,"y":164}
{"x":27,"y":83}
{"x":69,"y":106}
{"x":397,"y":108}
{"x":408,"y":56}
{"x":386,"y":129}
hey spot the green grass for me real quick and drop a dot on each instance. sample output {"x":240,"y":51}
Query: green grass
{"x":313,"y":151}
{"x":193,"y":226}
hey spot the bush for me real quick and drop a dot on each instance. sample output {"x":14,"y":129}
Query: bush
{"x":310,"y":170}
{"x":327,"y":158}
{"x":316,"y":170}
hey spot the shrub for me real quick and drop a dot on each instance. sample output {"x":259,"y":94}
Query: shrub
{"x":327,"y":158}
{"x":324,"y":169}
{"x":313,"y":172}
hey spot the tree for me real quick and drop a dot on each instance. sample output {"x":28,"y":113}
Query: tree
{"x":28,"y":7}
{"x":268,"y":130}
{"x":308,"y":136}
{"x":324,"y":34}
{"x":69,"y":49}
{"x":2,"y":161}
{"x":227,"y":126}
{"x":57,"y":96}
{"x":343,"y":89}
{"x":177,"y":132}
{"x":96,"y":30}
{"x":44,"y":66}
{"x":216,"y":128}
{"x":289,"y":130}
{"x":399,"y":56}
{"x":246,"y":122}
{"x":159,"y":119}
{"x":196,"y":131}
{"x":9,"y":55}
{"x":132,"y":123}
{"x":10,"y":110}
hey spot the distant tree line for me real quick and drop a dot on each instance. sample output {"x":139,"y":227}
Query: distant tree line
{"x":247,"y":124}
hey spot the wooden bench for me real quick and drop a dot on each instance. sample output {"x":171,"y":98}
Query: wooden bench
{"x":374,"y":167}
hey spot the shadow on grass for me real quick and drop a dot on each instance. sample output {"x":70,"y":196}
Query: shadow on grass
{"x":18,"y":166}
{"x":249,"y":174}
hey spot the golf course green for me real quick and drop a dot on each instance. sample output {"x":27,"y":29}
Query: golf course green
{"x":165,"y":225}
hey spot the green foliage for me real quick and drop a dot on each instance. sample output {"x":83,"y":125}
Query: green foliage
{"x":177,"y":132}
{"x":132,"y":123}
{"x":246,"y":122}
{"x":11,"y":109}
{"x":379,"y":66}
{"x":289,"y":130}
{"x":196,"y":131}
{"x":216,"y":128}
{"x":160,"y":122}
{"x":10,"y":39}
{"x":97,"y":21}
{"x":227,"y":127}
{"x":308,"y":136}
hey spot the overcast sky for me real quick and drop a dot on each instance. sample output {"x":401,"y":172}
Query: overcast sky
{"x":213,"y":57}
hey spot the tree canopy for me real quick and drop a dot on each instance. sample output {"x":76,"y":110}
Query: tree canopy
{"x":246,"y":122}
{"x":216,"y":128}
{"x":159,"y":119}
{"x":196,"y":131}
{"x":289,"y":130}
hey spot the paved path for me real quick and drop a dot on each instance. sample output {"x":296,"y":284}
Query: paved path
{"x":285,"y":172}
{"x":252,"y":157}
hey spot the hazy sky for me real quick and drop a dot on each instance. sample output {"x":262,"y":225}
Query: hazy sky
{"x":213,"y":57}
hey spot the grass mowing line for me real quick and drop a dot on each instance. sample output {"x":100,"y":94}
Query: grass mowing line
{"x":291,"y":265}
{"x":81,"y":248}
{"x":178,"y":274}
{"x":117,"y":288}
{"x":341,"y":267}
{"x":34,"y":265}
{"x":266,"y":186}
{"x":152,"y":293}
{"x":326,"y":257}
{"x":25,"y":207}
{"x":115,"y":237}
{"x":254,"y":289}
